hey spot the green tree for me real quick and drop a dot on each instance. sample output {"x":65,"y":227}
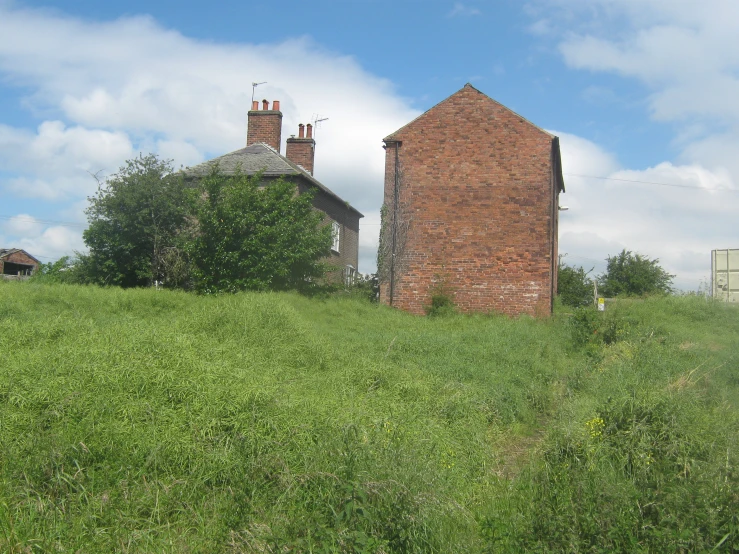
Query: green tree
{"x":246,"y":236}
{"x":61,"y":271}
{"x":573,"y":286}
{"x":134,"y":220}
{"x":633,"y":274}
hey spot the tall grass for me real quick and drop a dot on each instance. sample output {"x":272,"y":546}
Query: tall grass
{"x":143,"y":420}
{"x":644,"y":457}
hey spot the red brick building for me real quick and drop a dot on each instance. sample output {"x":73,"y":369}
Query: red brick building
{"x":17,"y":263}
{"x":471,"y":210}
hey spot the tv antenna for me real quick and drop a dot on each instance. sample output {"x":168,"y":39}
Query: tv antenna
{"x":316,"y":120}
{"x":253,"y":88}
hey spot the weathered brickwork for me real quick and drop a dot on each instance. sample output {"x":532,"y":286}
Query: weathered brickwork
{"x":265,"y":125}
{"x":17,"y":261}
{"x":348,"y":253}
{"x":477,"y":189}
{"x":301,"y":151}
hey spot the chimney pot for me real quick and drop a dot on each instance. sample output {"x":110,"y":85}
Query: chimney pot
{"x":301,"y":150}
{"x":276,"y":105}
{"x":264,"y":125}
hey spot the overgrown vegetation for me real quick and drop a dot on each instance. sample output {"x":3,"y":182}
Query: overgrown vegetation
{"x":574,"y":287}
{"x":629,"y":274}
{"x":247,"y":236}
{"x":225,"y":233}
{"x":135,"y":221}
{"x":145,"y":421}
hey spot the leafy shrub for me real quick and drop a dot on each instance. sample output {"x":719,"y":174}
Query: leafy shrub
{"x":365,"y":286}
{"x":632,"y":274}
{"x":64,"y":270}
{"x":247,"y":236}
{"x":584,"y":325}
{"x":573,"y":286}
{"x":441,"y":305}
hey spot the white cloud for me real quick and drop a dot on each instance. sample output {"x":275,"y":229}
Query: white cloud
{"x":52,"y":243}
{"x":23,"y":224}
{"x":680,"y":52}
{"x":118,"y":87}
{"x":41,"y":239}
{"x":541,"y":27}
{"x":677,"y":224}
{"x":57,"y":161}
{"x":460,"y":9}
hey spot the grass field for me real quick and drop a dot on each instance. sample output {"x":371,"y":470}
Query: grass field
{"x":157,"y":421}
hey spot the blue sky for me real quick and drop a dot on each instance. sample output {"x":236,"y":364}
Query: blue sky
{"x":638,"y":90}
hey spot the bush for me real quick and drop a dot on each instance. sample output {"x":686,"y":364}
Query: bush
{"x":632,"y":274}
{"x":573,"y":286}
{"x":64,"y":270}
{"x":441,"y":305}
{"x":365,"y":286}
{"x":134,"y":221}
{"x":247,"y":236}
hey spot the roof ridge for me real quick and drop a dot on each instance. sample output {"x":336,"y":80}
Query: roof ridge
{"x":291,"y":168}
{"x":389,"y":138}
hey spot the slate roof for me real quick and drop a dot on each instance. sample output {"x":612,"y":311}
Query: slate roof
{"x":260,"y":157}
{"x":4,"y":252}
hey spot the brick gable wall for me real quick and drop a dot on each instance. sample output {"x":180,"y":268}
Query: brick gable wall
{"x":477,"y":197}
{"x":18,"y":257}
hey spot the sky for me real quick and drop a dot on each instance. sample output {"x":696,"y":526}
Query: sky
{"x":644,"y":95}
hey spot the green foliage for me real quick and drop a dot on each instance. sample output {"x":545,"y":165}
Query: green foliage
{"x":383,"y":247}
{"x":134,"y":219}
{"x":63,"y":270}
{"x":441,"y":305}
{"x":641,"y":458}
{"x":247,"y":236}
{"x":574,"y":287}
{"x":629,"y":274}
{"x":365,"y":286}
{"x":584,"y":326}
{"x":442,"y":299}
{"x":143,"y":420}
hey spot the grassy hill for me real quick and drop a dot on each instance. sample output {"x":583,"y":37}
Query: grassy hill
{"x":155,"y":421}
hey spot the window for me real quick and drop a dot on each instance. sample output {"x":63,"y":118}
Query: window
{"x":349,"y":274}
{"x":336,"y":232}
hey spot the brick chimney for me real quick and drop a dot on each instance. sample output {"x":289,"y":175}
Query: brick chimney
{"x":301,"y":150}
{"x":265,"y":125}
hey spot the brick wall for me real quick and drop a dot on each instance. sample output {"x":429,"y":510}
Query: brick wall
{"x":265,"y":125}
{"x":478,"y":198}
{"x":337,"y":211}
{"x":18,"y":257}
{"x":301,"y":150}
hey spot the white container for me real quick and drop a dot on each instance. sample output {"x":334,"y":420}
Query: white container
{"x":725,"y":274}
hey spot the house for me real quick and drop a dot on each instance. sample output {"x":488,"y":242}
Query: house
{"x":262,"y":154}
{"x":17,"y":263}
{"x":471,"y":210}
